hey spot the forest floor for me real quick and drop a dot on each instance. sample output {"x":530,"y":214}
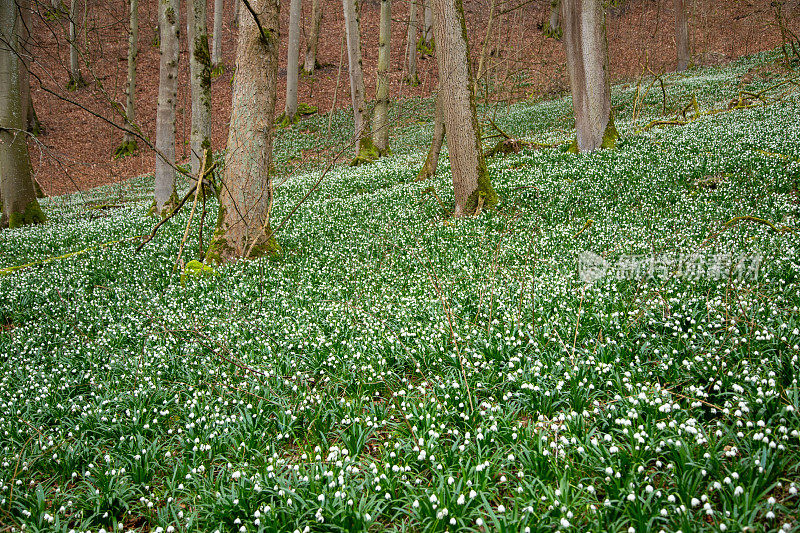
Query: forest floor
{"x":76,"y":150}
{"x":615,"y":348}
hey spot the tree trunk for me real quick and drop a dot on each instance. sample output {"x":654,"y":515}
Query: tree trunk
{"x":552,"y":28}
{"x":216,"y":46}
{"x":427,"y":34}
{"x":365,"y":150}
{"x":380,"y":124}
{"x":246,"y":199}
{"x":17,"y":194}
{"x":411,"y":44}
{"x":129,"y":145}
{"x":75,"y":78}
{"x":237,"y":9}
{"x":682,"y":34}
{"x":471,"y":184}
{"x":428,"y":169}
{"x":587,"y":65}
{"x":168,"y":19}
{"x":313,"y":38}
{"x":292,"y":63}
{"x":32,"y":124}
{"x":200,"y":74}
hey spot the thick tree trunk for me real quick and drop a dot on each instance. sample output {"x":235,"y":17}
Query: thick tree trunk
{"x":365,"y":150}
{"x":313,"y":38}
{"x":216,"y":46}
{"x":292,"y":63}
{"x":129,"y":139}
{"x":26,"y":48}
{"x":200,"y":82}
{"x":246,"y":200}
{"x":428,"y":169}
{"x":587,"y":65}
{"x":552,"y":28}
{"x":168,"y":20}
{"x":682,"y":34}
{"x":411,"y":44}
{"x":471,"y":184}
{"x":75,"y":78}
{"x":17,"y":194}
{"x":380,"y":124}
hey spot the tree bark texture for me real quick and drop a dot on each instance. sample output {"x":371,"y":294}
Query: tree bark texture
{"x":428,"y":169}
{"x":216,"y":40}
{"x":471,"y":183}
{"x":17,"y":194}
{"x":129,"y":140}
{"x":682,"y":34}
{"x":552,"y":27}
{"x":380,"y":124}
{"x":168,"y":20}
{"x":246,"y":198}
{"x":313,"y":38}
{"x":411,"y":44}
{"x":587,"y":65}
{"x":292,"y":62}
{"x":200,"y":81}
{"x":26,"y":55}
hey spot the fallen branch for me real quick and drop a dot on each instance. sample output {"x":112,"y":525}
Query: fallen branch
{"x":748,"y":218}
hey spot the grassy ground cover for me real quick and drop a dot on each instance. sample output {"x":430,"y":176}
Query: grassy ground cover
{"x":396,"y":370}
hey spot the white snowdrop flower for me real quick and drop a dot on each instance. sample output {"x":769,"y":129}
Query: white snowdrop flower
{"x":461,"y":499}
{"x":452,"y":521}
{"x":631,"y":497}
{"x":631,"y":529}
{"x":771,"y":500}
{"x":236,"y":475}
{"x":723,"y":527}
{"x":770,"y":515}
{"x":695,"y":502}
{"x":472,"y":494}
{"x":564,"y":522}
{"x":738,"y":491}
{"x":415,"y":505}
{"x":479,"y":522}
{"x":170,"y":529}
{"x":501,"y":508}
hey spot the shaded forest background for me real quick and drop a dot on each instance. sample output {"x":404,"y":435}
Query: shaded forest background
{"x":75,"y":150}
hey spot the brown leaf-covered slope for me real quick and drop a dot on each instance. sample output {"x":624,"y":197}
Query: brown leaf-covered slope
{"x":75,"y":152}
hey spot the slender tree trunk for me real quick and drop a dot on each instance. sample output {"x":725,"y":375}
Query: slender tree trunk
{"x":129,"y":139}
{"x":216,"y":46}
{"x":75,"y":78}
{"x":168,"y":20}
{"x":311,"y":62}
{"x":17,"y":194}
{"x":682,"y":34}
{"x":243,"y":228}
{"x":427,"y":34}
{"x":200,"y":74}
{"x":587,"y":65}
{"x":380,"y":124}
{"x":485,"y":48}
{"x":471,"y":184}
{"x":428,"y":169}
{"x":411,"y":44}
{"x":237,"y":9}
{"x":292,"y":63}
{"x":365,"y":150}
{"x":552,"y":28}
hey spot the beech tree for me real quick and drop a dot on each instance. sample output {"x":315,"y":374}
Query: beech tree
{"x":292,"y":64}
{"x":682,"y":35}
{"x":75,"y":77}
{"x":380,"y":124}
{"x":168,"y":18}
{"x":216,"y":39}
{"x":586,"y":48}
{"x":552,"y":26}
{"x":427,"y":30}
{"x":200,"y":81}
{"x":243,"y":229}
{"x":129,"y":145}
{"x":25,"y":53}
{"x":365,"y":151}
{"x":411,"y":45}
{"x":428,"y":169}
{"x":17,"y":194}
{"x":311,"y":62}
{"x":471,"y":185}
